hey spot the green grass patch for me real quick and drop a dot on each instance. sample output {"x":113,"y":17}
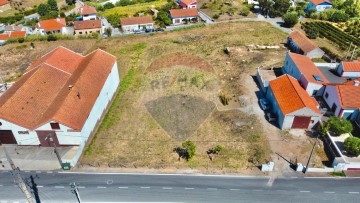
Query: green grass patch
{"x":339,"y":174}
{"x":190,"y":27}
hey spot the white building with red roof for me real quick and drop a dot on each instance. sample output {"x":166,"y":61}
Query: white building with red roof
{"x":319,"y":5}
{"x":11,"y":35}
{"x":57,"y":25}
{"x":87,"y":12}
{"x":62,"y":94}
{"x":349,"y":69}
{"x":304,"y":70}
{"x":132,"y":24}
{"x":293,"y":107}
{"x":181,"y":16}
{"x":185,"y":4}
{"x":299,"y":43}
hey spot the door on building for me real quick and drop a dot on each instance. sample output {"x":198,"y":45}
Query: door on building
{"x":44,"y":141}
{"x":301,"y":122}
{"x":7,"y":137}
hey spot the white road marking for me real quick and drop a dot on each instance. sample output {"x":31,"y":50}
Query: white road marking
{"x":304,"y":191}
{"x":211,"y":188}
{"x":102,"y":187}
{"x":27,"y":171}
{"x":123,"y":187}
{"x":167,"y":188}
{"x":234,"y":189}
{"x":281,"y":190}
{"x":145,"y":187}
{"x":39,"y":186}
{"x":271,"y":181}
{"x":329,"y":192}
{"x":38,"y":171}
{"x":188,"y":188}
{"x":257,"y":190}
{"x":49,"y":172}
{"x":293,"y":177}
{"x":81,"y":187}
{"x":353,"y":192}
{"x":59,"y":187}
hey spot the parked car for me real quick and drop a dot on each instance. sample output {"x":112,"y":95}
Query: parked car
{"x":149,"y":30}
{"x":264,"y":103}
{"x":159,"y":29}
{"x":139,"y":31}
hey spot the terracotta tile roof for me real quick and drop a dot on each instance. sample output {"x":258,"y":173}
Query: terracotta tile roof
{"x":349,"y":96}
{"x":307,"y":68}
{"x":4,"y":2}
{"x":317,"y":2}
{"x":42,"y":94}
{"x":136,"y":20}
{"x":87,"y":24}
{"x":302,"y":41}
{"x":178,"y":13}
{"x":87,"y":10}
{"x":290,"y":95}
{"x":13,"y":28}
{"x":17,"y":34}
{"x":351,"y":66}
{"x":4,"y":36}
{"x":52,"y":24}
{"x":188,"y":2}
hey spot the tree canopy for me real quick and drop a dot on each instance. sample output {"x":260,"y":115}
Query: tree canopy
{"x":352,"y":145}
{"x":290,"y":19}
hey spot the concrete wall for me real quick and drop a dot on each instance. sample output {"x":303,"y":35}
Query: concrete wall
{"x":316,"y":53}
{"x":333,"y":98}
{"x":22,"y":139}
{"x":289,"y":118}
{"x":311,"y":88}
{"x":178,"y":21}
{"x":89,"y":17}
{"x":329,"y":65}
{"x":262,"y":83}
{"x":341,"y":72}
{"x":88,"y":31}
{"x":133,"y":28}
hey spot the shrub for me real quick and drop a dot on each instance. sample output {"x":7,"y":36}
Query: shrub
{"x":290,"y":19}
{"x":312,"y":33}
{"x":51,"y":38}
{"x":108,"y":5}
{"x":216,"y":16}
{"x":108,"y":31}
{"x":218,"y":148}
{"x":190,"y":149}
{"x":339,"y":125}
{"x":245,"y":11}
{"x":224,"y":99}
{"x":21,"y":40}
{"x":32,"y":45}
{"x":352,"y":145}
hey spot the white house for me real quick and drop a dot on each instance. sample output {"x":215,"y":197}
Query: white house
{"x":34,"y":16}
{"x":51,"y":26}
{"x":87,"y":12}
{"x":293,"y":107}
{"x":349,"y":69}
{"x":61,"y":94}
{"x":11,"y":35}
{"x":299,"y":43}
{"x":180,"y":16}
{"x":130,"y":25}
{"x":319,"y":5}
{"x":304,"y":70}
{"x":343,"y":99}
{"x":185,"y":4}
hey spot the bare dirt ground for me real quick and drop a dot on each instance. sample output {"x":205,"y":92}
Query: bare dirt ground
{"x":15,"y":58}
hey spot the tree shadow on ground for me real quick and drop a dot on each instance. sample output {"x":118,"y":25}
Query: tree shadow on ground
{"x":182,"y":153}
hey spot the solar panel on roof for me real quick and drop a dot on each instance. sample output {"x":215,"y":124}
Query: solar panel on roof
{"x":318,"y":78}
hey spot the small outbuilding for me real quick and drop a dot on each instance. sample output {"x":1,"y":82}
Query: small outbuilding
{"x":349,"y":69}
{"x":130,"y":25}
{"x":299,"y":43}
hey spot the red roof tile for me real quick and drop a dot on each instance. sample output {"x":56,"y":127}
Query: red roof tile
{"x":291,"y":96}
{"x":351,"y":66}
{"x":42,"y":94}
{"x":17,"y":34}
{"x":87,"y":24}
{"x":178,"y":13}
{"x":307,"y":68}
{"x":87,"y":10}
{"x":349,"y":96}
{"x":302,"y":41}
{"x":188,"y":2}
{"x":4,"y":36}
{"x":52,"y":24}
{"x":4,"y":2}
{"x":317,"y":2}
{"x":136,"y":20}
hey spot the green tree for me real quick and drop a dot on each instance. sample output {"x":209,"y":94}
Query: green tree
{"x":352,"y":145}
{"x":108,"y":31}
{"x":339,"y":125}
{"x":265,"y":6}
{"x":43,"y":9}
{"x":108,"y":6}
{"x":312,"y":33}
{"x":163,"y":19}
{"x":51,"y":38}
{"x":190,"y":149}
{"x":290,"y":19}
{"x":53,"y":5}
{"x":279,"y":8}
{"x":70,"y":2}
{"x":244,"y":11}
{"x":351,"y":7}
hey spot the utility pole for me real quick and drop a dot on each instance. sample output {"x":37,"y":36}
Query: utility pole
{"x":19,"y":179}
{"x":312,"y":151}
{"x":74,"y":189}
{"x":51,"y":139}
{"x":34,"y":189}
{"x":347,"y":53}
{"x":353,"y":53}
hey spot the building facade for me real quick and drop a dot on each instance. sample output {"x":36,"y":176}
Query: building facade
{"x":131,"y":25}
{"x":319,"y":5}
{"x":182,"y":16}
{"x":299,"y":43}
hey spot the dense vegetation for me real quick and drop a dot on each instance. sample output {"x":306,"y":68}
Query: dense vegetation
{"x":352,"y":145}
{"x":351,"y":27}
{"x":336,"y":125}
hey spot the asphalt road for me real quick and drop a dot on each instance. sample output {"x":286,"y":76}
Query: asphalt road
{"x":54,"y":187}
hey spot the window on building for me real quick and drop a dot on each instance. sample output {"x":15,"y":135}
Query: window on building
{"x":314,"y":93}
{"x":23,"y":132}
{"x":55,"y":126}
{"x":326,"y":95}
{"x":177,"y":20}
{"x":312,"y":121}
{"x":80,"y":33}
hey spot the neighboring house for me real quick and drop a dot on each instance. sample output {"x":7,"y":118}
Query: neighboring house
{"x":12,"y":35}
{"x":299,"y":43}
{"x":12,"y":28}
{"x":5,"y":5}
{"x":181,"y":16}
{"x":129,"y":25}
{"x":292,"y":105}
{"x":34,"y":16}
{"x":51,"y":26}
{"x":349,"y":69}
{"x":319,"y":5}
{"x":304,"y":70}
{"x":2,"y":27}
{"x":255,"y":2}
{"x":62,"y":94}
{"x":185,"y":4}
{"x":343,"y":100}
{"x":87,"y":12}
{"x":87,"y":27}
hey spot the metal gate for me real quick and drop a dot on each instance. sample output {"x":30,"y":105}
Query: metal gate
{"x":301,"y":122}
{"x":7,"y":137}
{"x":44,"y":138}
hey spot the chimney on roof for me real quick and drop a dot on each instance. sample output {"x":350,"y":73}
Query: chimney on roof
{"x":78,"y":93}
{"x":356,"y":83}
{"x":70,"y":86}
{"x":58,"y":19}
